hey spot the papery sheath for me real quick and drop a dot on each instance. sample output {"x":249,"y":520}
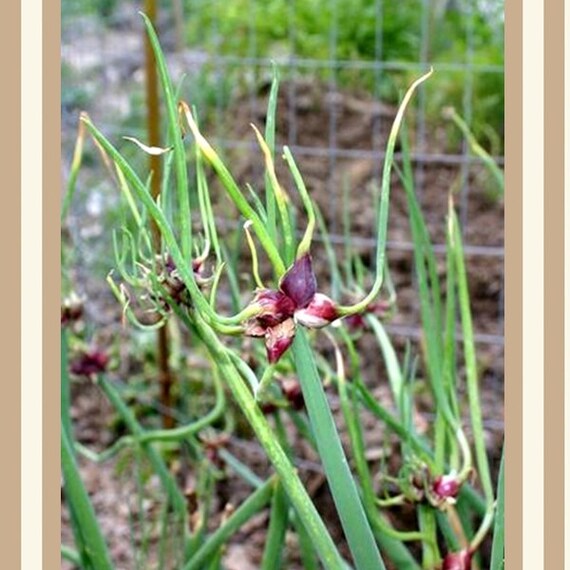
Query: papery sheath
{"x":278,"y":339}
{"x":318,"y":313}
{"x":276,"y":307}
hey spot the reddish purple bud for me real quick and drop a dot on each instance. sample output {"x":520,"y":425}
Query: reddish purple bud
{"x":319,"y":312}
{"x":71,"y":313}
{"x":380,"y":308}
{"x":278,"y":339}
{"x":212,"y":447}
{"x":212,"y":455}
{"x":300,"y":283}
{"x":90,"y":363}
{"x":446,"y":487}
{"x":198,"y":265}
{"x":457,"y":561}
{"x":169,"y":264}
{"x":71,"y":309}
{"x":277,"y":307}
{"x":268,"y":408}
{"x":199,"y":270}
{"x":292,"y":391}
{"x":175,"y":287}
{"x":355,"y":322}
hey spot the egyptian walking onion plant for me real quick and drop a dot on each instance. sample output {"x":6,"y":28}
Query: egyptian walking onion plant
{"x":176,"y":281}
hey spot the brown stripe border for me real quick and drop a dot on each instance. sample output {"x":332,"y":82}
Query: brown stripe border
{"x":513,"y":284}
{"x":10,"y":418}
{"x":554,"y":284}
{"x":52,"y":184}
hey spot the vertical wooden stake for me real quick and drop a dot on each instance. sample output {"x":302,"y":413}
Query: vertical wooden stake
{"x":153,"y":129}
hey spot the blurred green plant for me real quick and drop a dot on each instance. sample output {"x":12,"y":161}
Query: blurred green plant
{"x":462,"y":33}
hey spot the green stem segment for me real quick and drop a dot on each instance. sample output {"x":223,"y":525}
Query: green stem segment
{"x":477,"y":148}
{"x":74,"y":172}
{"x":498,"y":550}
{"x":305,"y":243}
{"x":184,"y":218}
{"x":288,"y":476}
{"x":270,"y":138}
{"x":390,"y":540}
{"x":93,"y":542}
{"x":272,"y":554}
{"x":281,"y":198}
{"x":66,"y":423}
{"x":428,"y":526}
{"x":382,"y":228}
{"x":235,"y":193}
{"x":251,"y":506}
{"x":343,"y":488}
{"x":471,"y":376}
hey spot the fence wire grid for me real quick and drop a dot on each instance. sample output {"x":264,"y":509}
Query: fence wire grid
{"x":103,"y":63}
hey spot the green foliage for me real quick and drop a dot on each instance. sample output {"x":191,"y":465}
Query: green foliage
{"x":305,"y":29}
{"x":102,"y":8}
{"x":324,"y":30}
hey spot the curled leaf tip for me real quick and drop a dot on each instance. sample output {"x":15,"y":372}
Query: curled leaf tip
{"x":152,"y":150}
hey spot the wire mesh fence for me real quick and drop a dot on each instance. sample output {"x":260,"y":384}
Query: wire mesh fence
{"x":342,"y":67}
